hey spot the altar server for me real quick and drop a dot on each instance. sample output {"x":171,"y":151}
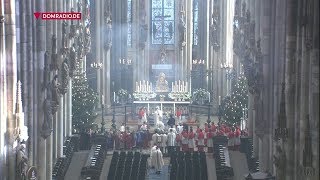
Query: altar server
{"x":200,"y":141}
{"x":171,"y":141}
{"x":191,"y":136}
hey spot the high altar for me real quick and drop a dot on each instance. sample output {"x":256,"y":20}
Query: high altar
{"x":168,"y":99}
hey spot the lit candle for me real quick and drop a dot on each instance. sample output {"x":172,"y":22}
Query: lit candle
{"x":172,"y":87}
{"x":114,"y":96}
{"x":102,"y":99}
{"x":209,"y":97}
{"x":182,"y":87}
{"x":219,"y":100}
{"x":140,"y":86}
{"x":186,"y":86}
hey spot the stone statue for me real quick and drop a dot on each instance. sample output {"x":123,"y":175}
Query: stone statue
{"x":73,"y":59}
{"x":64,"y":34}
{"x":48,"y":112}
{"x":108,"y":31}
{"x":46,"y":73}
{"x":162,"y":84}
{"x":55,"y":93}
{"x":73,"y":28}
{"x":79,"y":6}
{"x":54,"y":55}
{"x":143,"y":37}
{"x":280,"y":163}
{"x":87,"y":38}
{"x":182,"y":30}
{"x":22,"y":162}
{"x":65,"y":77}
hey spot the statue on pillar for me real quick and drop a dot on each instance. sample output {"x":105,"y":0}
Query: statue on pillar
{"x":108,"y":31}
{"x":48,"y":110}
{"x":55,"y":94}
{"x":280,"y":163}
{"x":54,"y":55}
{"x":87,"y":38}
{"x":64,"y":48}
{"x":22,"y":162}
{"x":64,"y":77}
{"x":182,"y":30}
{"x":73,"y":59}
{"x":46,"y":73}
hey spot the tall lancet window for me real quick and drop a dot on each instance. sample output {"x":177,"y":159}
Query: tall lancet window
{"x":129,"y":21}
{"x":162,"y":21}
{"x":195,"y":22}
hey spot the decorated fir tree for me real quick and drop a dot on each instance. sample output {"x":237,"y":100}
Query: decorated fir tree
{"x":84,"y":101}
{"x":232,"y":106}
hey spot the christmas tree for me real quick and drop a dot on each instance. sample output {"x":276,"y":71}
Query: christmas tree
{"x":232,"y":106}
{"x":84,"y":101}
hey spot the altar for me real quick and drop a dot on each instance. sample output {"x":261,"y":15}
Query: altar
{"x":165,"y":106}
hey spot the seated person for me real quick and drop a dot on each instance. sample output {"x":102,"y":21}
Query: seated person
{"x":162,"y":84}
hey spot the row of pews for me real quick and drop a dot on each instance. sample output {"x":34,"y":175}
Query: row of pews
{"x":246,"y":147}
{"x":62,"y":164}
{"x":128,"y":166}
{"x":223,"y":170}
{"x":93,"y":166}
{"x":188,"y":166}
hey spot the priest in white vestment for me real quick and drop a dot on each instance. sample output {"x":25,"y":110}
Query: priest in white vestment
{"x":158,"y":115}
{"x":152,"y":159}
{"x":158,"y":160}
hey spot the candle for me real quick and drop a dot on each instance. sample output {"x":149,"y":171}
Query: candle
{"x":186,"y":86}
{"x":219,"y":100}
{"x":172,"y":87}
{"x":209,"y":97}
{"x":102,"y":99}
{"x":114,"y":96}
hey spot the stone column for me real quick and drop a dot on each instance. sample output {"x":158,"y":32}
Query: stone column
{"x":291,"y":36}
{"x":98,"y":57}
{"x":49,"y":33}
{"x":60,"y":126}
{"x":11,"y":78}
{"x":3,"y":97}
{"x":189,"y":40}
{"x":314,"y":87}
{"x":39,"y":69}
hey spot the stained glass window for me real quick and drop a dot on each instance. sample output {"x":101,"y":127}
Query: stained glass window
{"x":195,"y":22}
{"x":129,"y":21}
{"x":162,"y":22}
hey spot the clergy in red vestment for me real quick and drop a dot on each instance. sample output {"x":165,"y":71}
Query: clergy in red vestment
{"x":184,"y":140}
{"x":231,"y":141}
{"x":237,"y":139}
{"x":206,"y":130}
{"x":210,"y":141}
{"x":191,"y":136}
{"x":200,"y":141}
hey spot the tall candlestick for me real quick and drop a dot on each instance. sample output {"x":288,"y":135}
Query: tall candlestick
{"x":219,"y":100}
{"x":114,"y":96}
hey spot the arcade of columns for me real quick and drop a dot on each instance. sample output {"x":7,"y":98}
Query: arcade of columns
{"x":288,"y":31}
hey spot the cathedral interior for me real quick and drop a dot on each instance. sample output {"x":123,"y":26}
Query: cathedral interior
{"x":68,"y":86}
